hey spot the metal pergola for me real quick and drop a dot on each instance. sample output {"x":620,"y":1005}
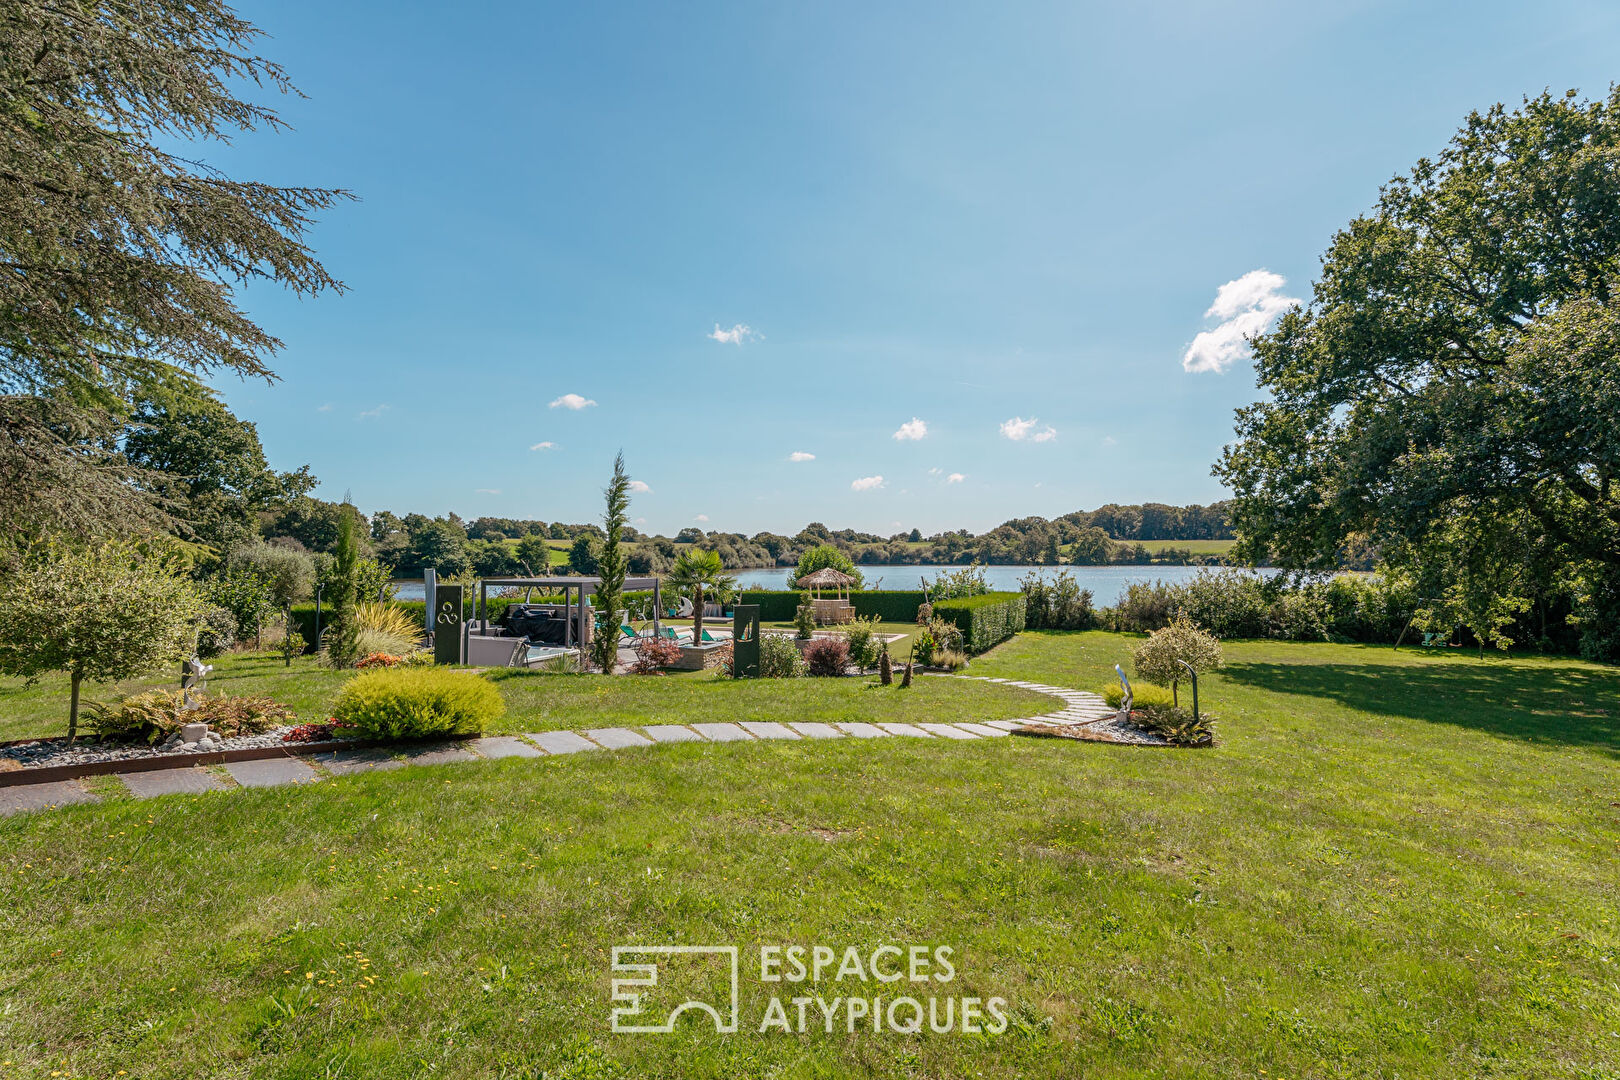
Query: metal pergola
{"x":574,"y":590}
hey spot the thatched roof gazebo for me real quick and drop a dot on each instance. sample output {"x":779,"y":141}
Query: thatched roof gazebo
{"x":836,"y":609}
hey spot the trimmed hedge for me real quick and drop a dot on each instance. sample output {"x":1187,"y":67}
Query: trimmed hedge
{"x":897,"y":605}
{"x":985,"y":621}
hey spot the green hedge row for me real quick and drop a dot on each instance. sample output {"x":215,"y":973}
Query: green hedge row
{"x":985,"y":621}
{"x":899,"y":605}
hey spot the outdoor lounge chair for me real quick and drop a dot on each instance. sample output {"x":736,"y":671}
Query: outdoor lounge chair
{"x":683,"y":635}
{"x":718,"y":635}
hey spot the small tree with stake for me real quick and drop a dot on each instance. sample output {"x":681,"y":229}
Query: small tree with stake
{"x":343,"y":634}
{"x":1175,"y":652}
{"x":100,"y":613}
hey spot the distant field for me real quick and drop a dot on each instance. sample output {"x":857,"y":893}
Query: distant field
{"x":1197,"y":547}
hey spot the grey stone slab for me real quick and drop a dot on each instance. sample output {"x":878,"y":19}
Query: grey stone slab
{"x":562,"y":742}
{"x":271,"y":772}
{"x":722,"y":732}
{"x":817,"y":731}
{"x":145,"y":785}
{"x":1005,"y":725}
{"x":864,"y":731}
{"x":946,"y":731}
{"x":906,"y":729}
{"x":504,"y":746}
{"x":982,"y":730}
{"x":25,"y":797}
{"x":363,"y":759}
{"x":438,"y":754}
{"x":672,"y":733}
{"x":618,"y":738}
{"x":769,"y":730}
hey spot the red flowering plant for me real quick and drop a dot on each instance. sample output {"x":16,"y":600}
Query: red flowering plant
{"x":331,"y":729}
{"x":378,"y":659}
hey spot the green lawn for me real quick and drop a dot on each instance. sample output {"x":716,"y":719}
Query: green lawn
{"x":1393,"y":865}
{"x":543,"y":702}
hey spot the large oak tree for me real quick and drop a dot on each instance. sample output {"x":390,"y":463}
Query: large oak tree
{"x":1452,"y":391}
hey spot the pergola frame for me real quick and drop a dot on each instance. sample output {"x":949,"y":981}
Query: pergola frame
{"x":577,"y":587}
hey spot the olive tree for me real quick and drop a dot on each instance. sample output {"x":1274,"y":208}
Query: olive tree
{"x":1159,"y":658}
{"x":102,"y":613}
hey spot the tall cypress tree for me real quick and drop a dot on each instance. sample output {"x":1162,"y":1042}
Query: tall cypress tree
{"x":343,"y":633}
{"x":610,"y":567}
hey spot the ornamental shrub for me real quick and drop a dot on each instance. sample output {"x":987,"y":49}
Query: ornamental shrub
{"x":157,"y":714}
{"x":407,"y":702}
{"x":779,"y":657}
{"x":827,"y":657}
{"x":1156,"y":658}
{"x":655,"y":654}
{"x":1142,"y":693}
{"x":861,"y":634}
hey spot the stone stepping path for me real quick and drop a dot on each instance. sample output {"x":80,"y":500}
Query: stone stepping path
{"x":1079,"y":708}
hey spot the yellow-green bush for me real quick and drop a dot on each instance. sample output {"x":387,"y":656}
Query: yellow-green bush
{"x":401,"y":702}
{"x":1141,"y":694}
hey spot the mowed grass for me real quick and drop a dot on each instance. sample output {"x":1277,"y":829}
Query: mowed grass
{"x":1393,"y":865}
{"x":544,"y":702}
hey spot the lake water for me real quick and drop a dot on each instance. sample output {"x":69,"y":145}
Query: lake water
{"x":1107,"y":583}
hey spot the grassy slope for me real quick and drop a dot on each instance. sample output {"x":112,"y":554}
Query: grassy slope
{"x":1395,"y":864}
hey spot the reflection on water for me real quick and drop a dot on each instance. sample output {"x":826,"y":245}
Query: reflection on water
{"x":1107,"y":583}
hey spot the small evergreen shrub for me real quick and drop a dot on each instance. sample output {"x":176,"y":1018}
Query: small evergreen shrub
{"x":1178,"y":726}
{"x":157,"y":714}
{"x":827,"y":657}
{"x":779,"y":657}
{"x":216,"y":631}
{"x":861,"y":634}
{"x":1142,"y":694}
{"x":393,"y":703}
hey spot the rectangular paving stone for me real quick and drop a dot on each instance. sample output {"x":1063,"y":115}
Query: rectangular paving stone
{"x":25,"y":797}
{"x":769,"y":729}
{"x":145,"y":785}
{"x":1005,"y":725}
{"x":984,"y":730}
{"x":357,"y":760}
{"x":271,"y":772}
{"x":905,"y":729}
{"x":946,"y":731}
{"x":618,"y":738}
{"x":722,"y":732}
{"x":504,"y":746}
{"x":817,"y":731}
{"x":864,"y":731}
{"x":562,"y":742}
{"x":672,"y":733}
{"x":438,"y":754}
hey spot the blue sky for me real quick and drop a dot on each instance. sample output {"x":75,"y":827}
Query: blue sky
{"x":993,"y":219}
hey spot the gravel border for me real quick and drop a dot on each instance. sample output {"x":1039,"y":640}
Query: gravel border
{"x":47,"y":753}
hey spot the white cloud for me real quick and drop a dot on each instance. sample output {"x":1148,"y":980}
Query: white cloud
{"x":801,"y":455}
{"x":935,"y":471}
{"x":1246,"y":306}
{"x":639,"y":486}
{"x":738,"y":334}
{"x":544,"y":446}
{"x":866,"y":483}
{"x":701,"y":517}
{"x":955,"y":478}
{"x":912,"y":430}
{"x":487,"y":491}
{"x":1109,"y":440}
{"x":372,"y":414}
{"x":1020,"y":430}
{"x":572,"y":401}
{"x":641,"y":521}
{"x":324,"y":408}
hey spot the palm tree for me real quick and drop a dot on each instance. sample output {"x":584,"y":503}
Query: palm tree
{"x":697,"y":570}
